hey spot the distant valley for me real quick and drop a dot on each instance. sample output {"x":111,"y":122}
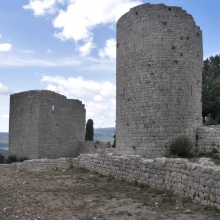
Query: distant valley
{"x":100,"y":134}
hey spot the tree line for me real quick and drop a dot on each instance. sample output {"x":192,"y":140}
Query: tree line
{"x":211,"y":90}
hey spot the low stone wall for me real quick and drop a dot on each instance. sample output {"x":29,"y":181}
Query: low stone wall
{"x":200,"y":182}
{"x":208,"y":138}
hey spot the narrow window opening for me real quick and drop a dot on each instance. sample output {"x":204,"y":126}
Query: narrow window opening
{"x":136,"y":12}
{"x":181,"y":54}
{"x":197,"y":55}
{"x":169,"y":9}
{"x":59,"y":142}
{"x":57,"y":125}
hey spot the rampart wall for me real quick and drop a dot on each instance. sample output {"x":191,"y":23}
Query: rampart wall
{"x":200,"y":182}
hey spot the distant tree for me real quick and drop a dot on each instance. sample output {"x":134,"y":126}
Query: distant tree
{"x":89,"y":130}
{"x":114,"y":144}
{"x":211,"y":89}
{"x":2,"y":159}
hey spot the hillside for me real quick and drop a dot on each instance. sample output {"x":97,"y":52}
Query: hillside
{"x":3,"y":138}
{"x":104,"y":134}
{"x":100,"y":134}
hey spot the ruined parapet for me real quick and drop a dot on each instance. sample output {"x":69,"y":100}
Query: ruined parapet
{"x":159,"y":79}
{"x":45,"y":124}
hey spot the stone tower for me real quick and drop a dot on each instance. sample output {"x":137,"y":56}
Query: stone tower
{"x":45,"y":124}
{"x":159,"y":78}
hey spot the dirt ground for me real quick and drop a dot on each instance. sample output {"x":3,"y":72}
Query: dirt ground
{"x":80,"y":194}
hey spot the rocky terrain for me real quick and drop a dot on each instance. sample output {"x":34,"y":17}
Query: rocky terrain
{"x":78,"y":194}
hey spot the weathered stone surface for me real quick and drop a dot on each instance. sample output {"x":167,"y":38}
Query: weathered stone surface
{"x":45,"y":124}
{"x":208,"y":138}
{"x":159,"y":66}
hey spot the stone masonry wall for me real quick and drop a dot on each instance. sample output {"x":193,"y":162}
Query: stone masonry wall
{"x":208,"y":138}
{"x":91,"y":147}
{"x":45,"y":124}
{"x":199,"y":182}
{"x":60,"y":130}
{"x":23,"y":124}
{"x":158,"y":80}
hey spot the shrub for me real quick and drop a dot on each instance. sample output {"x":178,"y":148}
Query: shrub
{"x":181,"y":147}
{"x":214,"y":151}
{"x":2,"y":158}
{"x":22,"y":159}
{"x":215,"y":157}
{"x":12,"y":159}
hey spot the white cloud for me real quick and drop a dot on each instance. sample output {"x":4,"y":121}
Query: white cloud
{"x":42,"y":7}
{"x":113,"y":102}
{"x":79,"y":86}
{"x":97,"y":96}
{"x":86,"y":48}
{"x":19,"y":61}
{"x":5,"y":47}
{"x":4,"y":90}
{"x":109,"y":50}
{"x":112,"y":26}
{"x":81,"y":16}
{"x":26,"y":51}
{"x":5,"y":116}
{"x":96,"y":109}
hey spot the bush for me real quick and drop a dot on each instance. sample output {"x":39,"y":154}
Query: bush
{"x":12,"y":159}
{"x":214,"y":151}
{"x":22,"y":159}
{"x":2,"y":159}
{"x":181,"y":147}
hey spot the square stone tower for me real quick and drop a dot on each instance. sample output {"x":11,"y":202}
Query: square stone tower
{"x":45,"y":124}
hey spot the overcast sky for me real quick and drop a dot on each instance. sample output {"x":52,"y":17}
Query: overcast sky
{"x":68,"y":46}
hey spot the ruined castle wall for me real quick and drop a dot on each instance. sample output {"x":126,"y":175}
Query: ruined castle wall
{"x":45,"y":124}
{"x":61,"y":125}
{"x":208,"y":138}
{"x":23,"y":125}
{"x":159,"y":78}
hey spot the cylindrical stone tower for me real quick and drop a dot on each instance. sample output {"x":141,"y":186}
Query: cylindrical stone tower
{"x":159,"y":79}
